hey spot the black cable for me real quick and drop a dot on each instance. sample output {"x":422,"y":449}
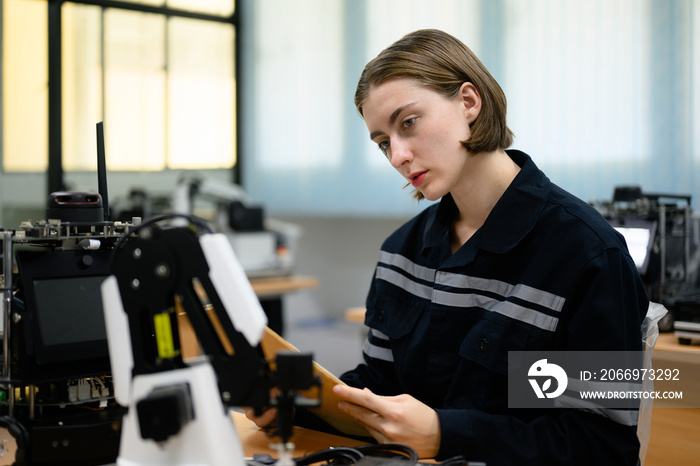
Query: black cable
{"x":352,"y":455}
{"x":192,"y":219}
{"x":455,"y":461}
{"x":390,"y":450}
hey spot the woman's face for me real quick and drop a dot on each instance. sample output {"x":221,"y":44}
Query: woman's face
{"x":421,"y":131}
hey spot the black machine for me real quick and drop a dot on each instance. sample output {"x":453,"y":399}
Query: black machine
{"x":56,"y":393}
{"x":662,"y":235}
{"x":62,"y":331}
{"x":58,"y":403}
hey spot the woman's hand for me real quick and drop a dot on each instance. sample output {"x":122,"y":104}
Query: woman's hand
{"x":265,"y":420}
{"x":393,"y":419}
{"x":268,"y":418}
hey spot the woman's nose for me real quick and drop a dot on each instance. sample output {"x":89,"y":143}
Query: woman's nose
{"x":400,"y":153}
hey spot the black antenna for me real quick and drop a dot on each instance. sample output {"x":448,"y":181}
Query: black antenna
{"x":102,"y":169}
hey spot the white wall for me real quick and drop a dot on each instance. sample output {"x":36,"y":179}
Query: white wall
{"x":341,"y":253}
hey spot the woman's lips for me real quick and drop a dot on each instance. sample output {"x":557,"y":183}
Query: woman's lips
{"x":417,"y":179}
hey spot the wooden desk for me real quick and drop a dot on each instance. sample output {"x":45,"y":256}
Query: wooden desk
{"x":356,"y":315}
{"x":675,"y":431}
{"x":277,"y":286}
{"x":668,"y":342}
{"x":270,"y":291}
{"x":255,"y":441}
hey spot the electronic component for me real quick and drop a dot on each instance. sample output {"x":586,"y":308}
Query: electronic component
{"x":663,"y":237}
{"x":177,"y":409}
{"x":56,"y":392}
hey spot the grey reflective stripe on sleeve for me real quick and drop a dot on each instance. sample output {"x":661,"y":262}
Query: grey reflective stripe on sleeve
{"x":377,"y":334}
{"x":523,"y":292}
{"x":404,"y":282}
{"x":506,"y":308}
{"x":543,"y":298}
{"x":468,"y":291}
{"x":421,"y":272}
{"x":376,"y":351}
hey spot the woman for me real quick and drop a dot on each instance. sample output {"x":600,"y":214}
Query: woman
{"x":506,"y":261}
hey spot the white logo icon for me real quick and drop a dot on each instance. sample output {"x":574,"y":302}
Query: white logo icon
{"x":547,"y":371}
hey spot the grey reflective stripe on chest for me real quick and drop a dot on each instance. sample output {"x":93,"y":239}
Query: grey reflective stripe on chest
{"x":470,"y":291}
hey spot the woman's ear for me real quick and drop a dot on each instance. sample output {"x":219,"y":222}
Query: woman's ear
{"x":471,"y":100}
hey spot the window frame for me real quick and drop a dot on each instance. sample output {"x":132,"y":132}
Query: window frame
{"x":55,"y":172}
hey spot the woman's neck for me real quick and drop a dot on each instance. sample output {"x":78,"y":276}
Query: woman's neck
{"x":486,"y":178}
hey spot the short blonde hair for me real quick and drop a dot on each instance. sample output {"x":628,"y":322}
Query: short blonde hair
{"x":441,"y":62}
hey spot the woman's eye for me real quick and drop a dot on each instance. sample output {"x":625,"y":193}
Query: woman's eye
{"x":383,"y":146}
{"x":408,"y":123}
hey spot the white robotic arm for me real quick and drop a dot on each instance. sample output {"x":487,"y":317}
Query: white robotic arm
{"x":178,"y":412}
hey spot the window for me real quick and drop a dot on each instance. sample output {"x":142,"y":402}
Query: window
{"x":310,"y":152}
{"x":568,"y":73}
{"x":162,"y":78}
{"x":601,"y":93}
{"x":24,"y":91}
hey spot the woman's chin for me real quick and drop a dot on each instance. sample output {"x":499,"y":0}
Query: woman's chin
{"x":431,"y":195}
